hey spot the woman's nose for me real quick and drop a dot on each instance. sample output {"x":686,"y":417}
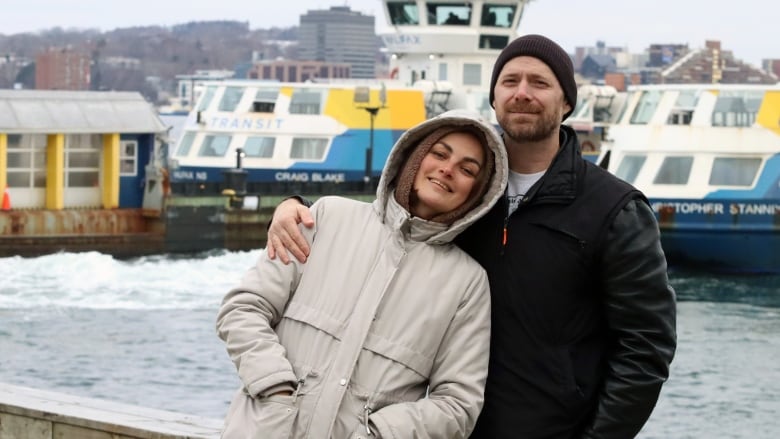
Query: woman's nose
{"x":446,"y":168}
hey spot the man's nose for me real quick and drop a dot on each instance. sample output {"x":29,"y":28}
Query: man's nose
{"x":522,"y":91}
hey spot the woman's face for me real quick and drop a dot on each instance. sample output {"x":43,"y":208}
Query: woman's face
{"x":447,"y":174}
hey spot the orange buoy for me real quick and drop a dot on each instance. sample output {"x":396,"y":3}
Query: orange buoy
{"x":6,"y":200}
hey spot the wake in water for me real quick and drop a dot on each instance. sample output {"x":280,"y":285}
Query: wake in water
{"x":95,"y":280}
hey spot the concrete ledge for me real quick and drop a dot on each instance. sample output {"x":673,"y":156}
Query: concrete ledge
{"x":27,"y":413}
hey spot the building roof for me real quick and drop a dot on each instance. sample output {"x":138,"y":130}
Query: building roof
{"x":68,"y":112}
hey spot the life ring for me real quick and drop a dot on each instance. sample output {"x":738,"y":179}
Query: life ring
{"x":394,"y":73}
{"x":587,"y":146}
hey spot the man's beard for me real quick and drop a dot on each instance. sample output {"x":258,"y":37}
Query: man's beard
{"x":543,"y":128}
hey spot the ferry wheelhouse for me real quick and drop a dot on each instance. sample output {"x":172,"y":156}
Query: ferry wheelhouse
{"x":708,"y":159}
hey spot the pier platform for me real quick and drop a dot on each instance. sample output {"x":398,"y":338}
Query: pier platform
{"x":27,"y":413}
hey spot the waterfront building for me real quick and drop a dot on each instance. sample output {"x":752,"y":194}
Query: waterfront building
{"x":62,"y":69}
{"x":285,"y":70}
{"x":339,"y":35}
{"x":67,"y":150}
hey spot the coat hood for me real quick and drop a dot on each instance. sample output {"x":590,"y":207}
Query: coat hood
{"x":439,"y":233}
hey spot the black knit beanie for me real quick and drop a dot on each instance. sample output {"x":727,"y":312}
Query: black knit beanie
{"x":550,"y":53}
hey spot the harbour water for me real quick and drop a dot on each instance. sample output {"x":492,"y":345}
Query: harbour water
{"x":142,"y":332}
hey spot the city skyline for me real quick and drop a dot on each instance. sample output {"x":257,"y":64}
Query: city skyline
{"x":572,"y":24}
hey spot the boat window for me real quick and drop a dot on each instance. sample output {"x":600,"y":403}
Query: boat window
{"x":308,"y":148}
{"x":265,"y":100}
{"x":497,"y":15}
{"x":644,"y":110}
{"x":214,"y":145}
{"x":679,"y":117}
{"x":230,"y":98}
{"x":674,"y":170}
{"x":403,"y":13}
{"x":448,"y":14}
{"x":493,"y":41}
{"x":305,"y":102}
{"x":734,"y":171}
{"x":205,"y":100}
{"x":682,"y":112}
{"x":472,"y":74}
{"x":629,"y":167}
{"x":443,"y":71}
{"x":736,"y":108}
{"x":185,"y":144}
{"x":261,"y":147}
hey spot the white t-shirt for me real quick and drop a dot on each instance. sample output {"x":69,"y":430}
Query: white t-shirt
{"x":518,"y":186}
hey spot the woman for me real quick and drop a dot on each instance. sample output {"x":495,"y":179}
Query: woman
{"x":384,"y":331}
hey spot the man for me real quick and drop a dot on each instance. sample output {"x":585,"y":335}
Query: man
{"x":583,"y":316}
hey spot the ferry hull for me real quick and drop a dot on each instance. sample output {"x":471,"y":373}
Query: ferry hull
{"x":721,"y":235}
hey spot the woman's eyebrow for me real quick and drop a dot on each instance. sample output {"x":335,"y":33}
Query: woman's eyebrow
{"x":468,"y":159}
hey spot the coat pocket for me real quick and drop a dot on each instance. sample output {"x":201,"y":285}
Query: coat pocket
{"x":260,"y":418}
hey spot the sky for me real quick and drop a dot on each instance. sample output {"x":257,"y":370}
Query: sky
{"x":744,"y":27}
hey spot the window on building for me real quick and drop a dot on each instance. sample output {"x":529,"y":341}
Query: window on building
{"x":230,"y":98}
{"x":26,"y":163}
{"x":306,"y":101}
{"x":214,"y":145}
{"x":292,"y":73}
{"x":674,"y":170}
{"x":128,"y":158}
{"x":206,"y":98}
{"x":734,"y":171}
{"x":308,"y":148}
{"x":82,"y":160}
{"x":646,"y":107}
{"x":497,"y":15}
{"x":185,"y":144}
{"x":629,"y":167}
{"x":403,"y":12}
{"x":472,"y":74}
{"x":449,"y":14}
{"x":260,"y":147}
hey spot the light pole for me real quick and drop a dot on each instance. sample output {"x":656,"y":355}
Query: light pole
{"x":372,"y":111}
{"x":362,"y":95}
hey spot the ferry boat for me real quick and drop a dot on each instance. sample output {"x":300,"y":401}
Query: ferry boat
{"x":334,"y":137}
{"x":247,"y":144}
{"x":708,"y":159}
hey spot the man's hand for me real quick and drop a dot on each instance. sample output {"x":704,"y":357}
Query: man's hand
{"x":284,"y":235}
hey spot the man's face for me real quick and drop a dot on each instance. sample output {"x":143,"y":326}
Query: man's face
{"x":529,"y":101}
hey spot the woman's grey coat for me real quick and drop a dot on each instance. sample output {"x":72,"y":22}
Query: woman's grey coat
{"x":384,"y":309}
